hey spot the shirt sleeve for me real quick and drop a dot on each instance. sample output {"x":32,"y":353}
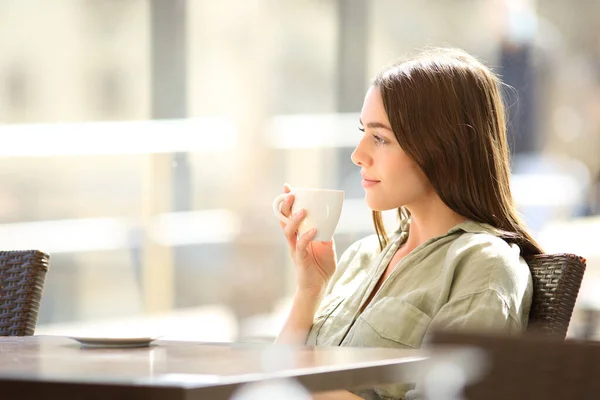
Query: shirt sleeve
{"x":387,"y":392}
{"x":485,"y":311}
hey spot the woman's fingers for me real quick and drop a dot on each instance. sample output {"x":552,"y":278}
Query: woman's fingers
{"x":286,"y":205}
{"x":291,"y":228}
{"x":302,"y":243}
{"x":286,"y":209}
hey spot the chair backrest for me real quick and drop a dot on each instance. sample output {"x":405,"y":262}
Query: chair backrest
{"x":556,"y":282}
{"x":525,"y":367}
{"x":22,"y":276}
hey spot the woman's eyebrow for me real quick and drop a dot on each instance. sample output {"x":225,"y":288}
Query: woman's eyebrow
{"x":375,"y":125}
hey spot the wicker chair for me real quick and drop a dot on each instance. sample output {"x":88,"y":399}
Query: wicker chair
{"x":22,"y":275}
{"x":556,"y":282}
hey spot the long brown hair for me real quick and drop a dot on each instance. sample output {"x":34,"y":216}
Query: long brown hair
{"x":446,"y":112}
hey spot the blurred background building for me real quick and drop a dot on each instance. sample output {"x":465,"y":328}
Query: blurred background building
{"x":142,"y":141}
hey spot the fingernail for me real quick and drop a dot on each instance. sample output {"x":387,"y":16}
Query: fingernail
{"x":299,"y":214}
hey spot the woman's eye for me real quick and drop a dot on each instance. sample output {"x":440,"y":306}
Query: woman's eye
{"x":378,"y":139}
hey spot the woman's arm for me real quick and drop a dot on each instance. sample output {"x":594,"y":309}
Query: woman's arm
{"x":315,"y":264}
{"x":336,"y":395}
{"x":300,"y":319}
{"x":295,"y":330}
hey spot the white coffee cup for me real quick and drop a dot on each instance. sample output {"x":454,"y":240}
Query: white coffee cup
{"x":323,"y":209}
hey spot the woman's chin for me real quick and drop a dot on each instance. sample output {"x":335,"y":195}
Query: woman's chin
{"x":375,"y":205}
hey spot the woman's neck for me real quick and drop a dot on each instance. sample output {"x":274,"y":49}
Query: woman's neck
{"x":429,"y":220}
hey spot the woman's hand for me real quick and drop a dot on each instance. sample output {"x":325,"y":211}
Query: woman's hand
{"x":315,"y":261}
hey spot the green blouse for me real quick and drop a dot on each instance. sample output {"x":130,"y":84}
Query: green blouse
{"x":468,"y":279}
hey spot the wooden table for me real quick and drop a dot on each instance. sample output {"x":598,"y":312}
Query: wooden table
{"x":44,"y":367}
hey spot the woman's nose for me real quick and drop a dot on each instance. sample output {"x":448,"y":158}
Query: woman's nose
{"x":359,"y":156}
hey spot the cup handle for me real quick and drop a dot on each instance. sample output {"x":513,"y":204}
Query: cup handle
{"x":277,"y":208}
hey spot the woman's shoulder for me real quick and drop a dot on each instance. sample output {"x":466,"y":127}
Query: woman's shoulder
{"x":485,"y":246}
{"x":485,"y":260}
{"x":484,"y":242}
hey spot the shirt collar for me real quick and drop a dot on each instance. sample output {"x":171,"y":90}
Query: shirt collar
{"x":475,"y":227}
{"x":468,"y":226}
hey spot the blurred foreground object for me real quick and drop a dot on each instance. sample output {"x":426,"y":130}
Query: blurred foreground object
{"x":278,"y":389}
{"x":522,"y":367}
{"x":274,"y":358}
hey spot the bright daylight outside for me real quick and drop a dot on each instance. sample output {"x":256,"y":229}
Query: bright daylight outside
{"x":143,"y":143}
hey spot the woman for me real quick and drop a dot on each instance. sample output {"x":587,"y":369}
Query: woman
{"x":434,"y":148}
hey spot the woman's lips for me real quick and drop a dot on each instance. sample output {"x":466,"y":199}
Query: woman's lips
{"x":367,"y":183}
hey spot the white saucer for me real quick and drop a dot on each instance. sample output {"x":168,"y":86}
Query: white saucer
{"x":114,"y":342}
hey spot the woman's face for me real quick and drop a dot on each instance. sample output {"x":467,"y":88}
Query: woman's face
{"x":391,"y":179}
